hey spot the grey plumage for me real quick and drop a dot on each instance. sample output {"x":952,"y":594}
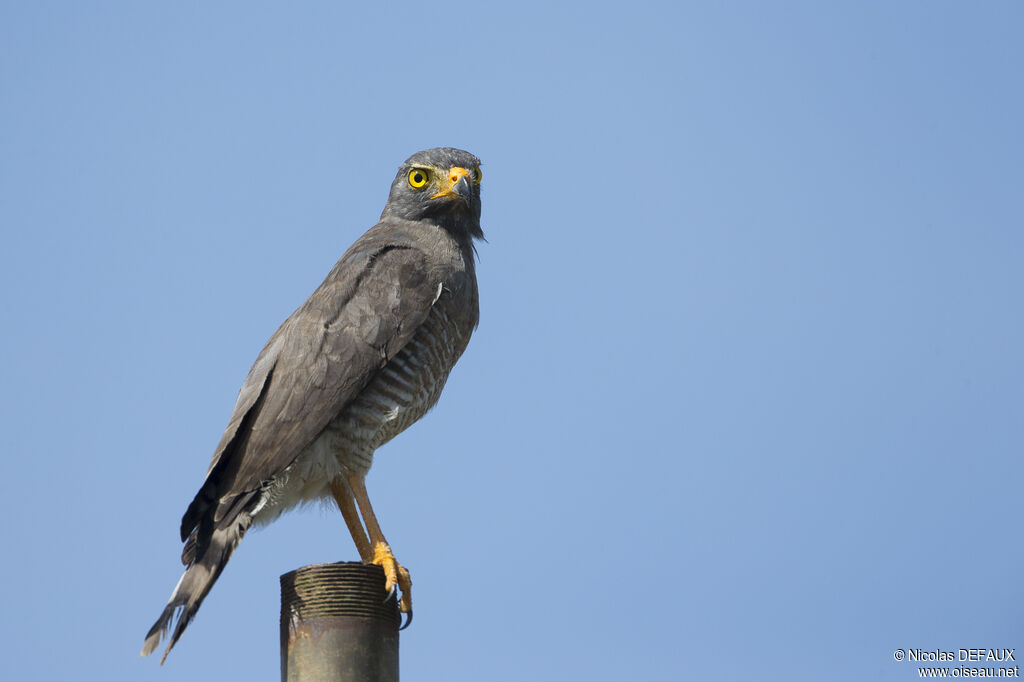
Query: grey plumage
{"x":363,"y":358}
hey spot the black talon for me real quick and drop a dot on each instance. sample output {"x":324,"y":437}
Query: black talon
{"x":392,"y":594}
{"x":407,"y":622}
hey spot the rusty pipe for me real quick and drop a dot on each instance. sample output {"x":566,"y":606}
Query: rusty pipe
{"x":338,"y":624}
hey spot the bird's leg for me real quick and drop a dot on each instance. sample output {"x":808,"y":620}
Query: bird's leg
{"x":343,"y":496}
{"x":394,"y":572}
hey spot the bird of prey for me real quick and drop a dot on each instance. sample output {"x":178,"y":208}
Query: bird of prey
{"x":361,"y":360}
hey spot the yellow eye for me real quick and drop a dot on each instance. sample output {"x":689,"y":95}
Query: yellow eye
{"x":418,"y":177}
{"x":477,"y":174}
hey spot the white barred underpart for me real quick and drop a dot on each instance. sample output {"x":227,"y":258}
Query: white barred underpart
{"x":402,"y":392}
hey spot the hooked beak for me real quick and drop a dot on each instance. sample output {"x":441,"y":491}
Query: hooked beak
{"x":457,"y":184}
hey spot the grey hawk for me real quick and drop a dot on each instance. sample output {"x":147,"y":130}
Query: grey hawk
{"x":361,"y":360}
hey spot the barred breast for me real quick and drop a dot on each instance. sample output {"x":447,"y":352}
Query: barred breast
{"x":403,"y":391}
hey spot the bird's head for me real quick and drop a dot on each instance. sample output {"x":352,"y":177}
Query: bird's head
{"x":442,"y":185}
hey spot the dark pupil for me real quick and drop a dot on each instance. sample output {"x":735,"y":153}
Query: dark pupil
{"x":417,"y":177}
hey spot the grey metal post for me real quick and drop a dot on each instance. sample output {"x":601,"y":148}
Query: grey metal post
{"x":337,"y":624}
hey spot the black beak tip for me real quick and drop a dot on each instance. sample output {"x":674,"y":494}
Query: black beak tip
{"x":463,"y":189}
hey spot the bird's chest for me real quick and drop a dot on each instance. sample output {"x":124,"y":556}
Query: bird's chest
{"x":404,"y":389}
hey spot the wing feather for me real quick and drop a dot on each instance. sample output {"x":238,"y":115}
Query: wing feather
{"x":366,"y":310}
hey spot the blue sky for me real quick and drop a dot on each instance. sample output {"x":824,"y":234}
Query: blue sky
{"x":747,"y":396}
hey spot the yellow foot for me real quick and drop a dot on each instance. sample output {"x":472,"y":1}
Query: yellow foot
{"x":394,"y":574}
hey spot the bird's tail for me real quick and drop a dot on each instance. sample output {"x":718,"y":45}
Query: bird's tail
{"x":201,"y":573}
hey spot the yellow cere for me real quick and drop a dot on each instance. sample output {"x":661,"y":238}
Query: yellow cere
{"x":456,"y":174}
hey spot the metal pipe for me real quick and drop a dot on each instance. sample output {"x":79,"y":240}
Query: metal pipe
{"x":338,"y":624}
